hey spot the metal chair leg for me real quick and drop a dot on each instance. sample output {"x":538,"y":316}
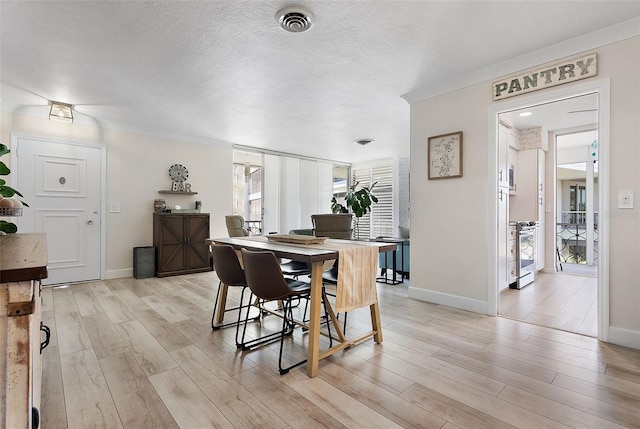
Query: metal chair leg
{"x":248,"y":345}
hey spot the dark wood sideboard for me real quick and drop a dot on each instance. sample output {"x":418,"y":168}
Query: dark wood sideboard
{"x":180,"y":243}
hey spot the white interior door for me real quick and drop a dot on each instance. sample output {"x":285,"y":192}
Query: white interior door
{"x":61,"y":182}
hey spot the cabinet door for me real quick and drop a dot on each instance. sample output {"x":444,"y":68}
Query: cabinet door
{"x":524,"y":204}
{"x":171,"y":243}
{"x":196,"y":249}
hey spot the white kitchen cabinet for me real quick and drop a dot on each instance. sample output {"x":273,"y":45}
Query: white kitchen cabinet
{"x":527,"y":204}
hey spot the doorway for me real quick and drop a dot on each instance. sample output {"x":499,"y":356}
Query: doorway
{"x":550,"y":200}
{"x":63,"y":184}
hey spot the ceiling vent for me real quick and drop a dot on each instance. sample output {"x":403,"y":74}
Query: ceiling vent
{"x":294,"y":19}
{"x":363,"y":142}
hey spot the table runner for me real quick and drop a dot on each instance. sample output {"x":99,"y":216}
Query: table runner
{"x":356,"y":278}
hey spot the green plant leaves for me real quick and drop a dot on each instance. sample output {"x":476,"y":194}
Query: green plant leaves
{"x":359,"y":201}
{"x":8,"y":227}
{"x":7,"y":192}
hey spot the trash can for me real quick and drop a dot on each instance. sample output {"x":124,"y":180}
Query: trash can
{"x":144,"y":262}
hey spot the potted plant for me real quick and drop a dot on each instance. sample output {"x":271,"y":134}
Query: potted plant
{"x":359,"y":201}
{"x":8,"y":205}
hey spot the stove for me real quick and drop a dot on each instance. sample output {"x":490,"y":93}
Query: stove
{"x":525,"y":253}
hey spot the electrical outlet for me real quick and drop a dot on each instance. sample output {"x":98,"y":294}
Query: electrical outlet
{"x":625,"y":199}
{"x":115,"y":208}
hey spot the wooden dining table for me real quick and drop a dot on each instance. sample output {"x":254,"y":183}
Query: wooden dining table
{"x":315,"y":255}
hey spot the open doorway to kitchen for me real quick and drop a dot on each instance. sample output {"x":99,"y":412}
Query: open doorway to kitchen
{"x":552,"y":223}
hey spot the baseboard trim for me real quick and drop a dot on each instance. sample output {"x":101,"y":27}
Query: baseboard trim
{"x":624,"y":337}
{"x":118,"y":274}
{"x":449,"y":300}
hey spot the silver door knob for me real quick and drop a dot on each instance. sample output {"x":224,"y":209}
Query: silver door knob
{"x":89,"y":222}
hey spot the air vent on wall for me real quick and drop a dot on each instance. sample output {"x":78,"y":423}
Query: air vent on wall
{"x":294,"y":19}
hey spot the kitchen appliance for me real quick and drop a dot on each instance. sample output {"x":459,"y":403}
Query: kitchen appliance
{"x":525,"y":254}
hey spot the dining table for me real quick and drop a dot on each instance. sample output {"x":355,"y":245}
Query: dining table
{"x":315,"y":254}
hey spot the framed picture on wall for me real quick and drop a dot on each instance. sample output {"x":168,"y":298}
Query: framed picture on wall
{"x":444,"y":154}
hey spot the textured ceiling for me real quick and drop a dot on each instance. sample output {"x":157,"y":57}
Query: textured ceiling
{"x":223,"y":72}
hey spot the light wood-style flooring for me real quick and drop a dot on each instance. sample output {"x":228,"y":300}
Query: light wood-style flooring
{"x":130,"y":353}
{"x":565,"y":300}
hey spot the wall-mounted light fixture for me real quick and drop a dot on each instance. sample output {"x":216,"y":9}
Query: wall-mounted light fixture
{"x":61,"y":112}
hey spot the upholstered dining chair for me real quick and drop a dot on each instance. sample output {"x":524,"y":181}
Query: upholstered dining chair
{"x":267,"y":282}
{"x":230,"y":272}
{"x":236,"y":226}
{"x":332,"y":225}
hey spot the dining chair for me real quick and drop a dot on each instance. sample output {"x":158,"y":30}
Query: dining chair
{"x":332,"y":225}
{"x":236,"y":226}
{"x":267,"y":282}
{"x":230,"y":272}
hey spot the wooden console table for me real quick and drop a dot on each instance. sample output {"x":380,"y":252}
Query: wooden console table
{"x":23,"y":263}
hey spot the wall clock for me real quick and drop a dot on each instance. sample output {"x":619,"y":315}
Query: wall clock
{"x":178,"y":174}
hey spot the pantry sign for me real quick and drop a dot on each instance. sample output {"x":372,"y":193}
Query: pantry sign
{"x":546,"y":77}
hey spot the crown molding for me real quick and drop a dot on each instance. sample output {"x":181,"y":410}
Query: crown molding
{"x":570,"y":47}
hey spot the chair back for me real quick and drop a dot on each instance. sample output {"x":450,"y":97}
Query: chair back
{"x":227,"y":265}
{"x":235,"y":226}
{"x":264,"y":276}
{"x":332,"y":225}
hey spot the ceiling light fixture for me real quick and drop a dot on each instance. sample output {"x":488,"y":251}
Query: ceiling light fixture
{"x":524,"y":114}
{"x":61,"y":112}
{"x":294,"y":19}
{"x":363,"y":142}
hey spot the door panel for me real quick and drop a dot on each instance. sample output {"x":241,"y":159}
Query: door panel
{"x":196,"y":248}
{"x":61,"y":182}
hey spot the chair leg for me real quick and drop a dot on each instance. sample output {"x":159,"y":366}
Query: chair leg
{"x":248,"y":345}
{"x":288,"y":313}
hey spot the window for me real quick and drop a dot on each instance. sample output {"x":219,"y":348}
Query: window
{"x":380,"y":222}
{"x":247,"y":195}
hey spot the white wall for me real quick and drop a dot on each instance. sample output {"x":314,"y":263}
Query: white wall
{"x":137,"y":168}
{"x":449,"y":217}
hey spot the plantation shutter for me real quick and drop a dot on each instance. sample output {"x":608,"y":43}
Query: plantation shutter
{"x":380,"y":221}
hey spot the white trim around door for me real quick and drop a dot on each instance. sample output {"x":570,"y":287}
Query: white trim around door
{"x":16,"y":139}
{"x":601,"y":87}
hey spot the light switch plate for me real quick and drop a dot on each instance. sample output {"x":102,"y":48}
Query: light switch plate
{"x":115,"y":208}
{"x":625,"y":199}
